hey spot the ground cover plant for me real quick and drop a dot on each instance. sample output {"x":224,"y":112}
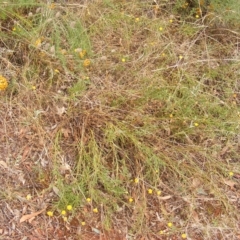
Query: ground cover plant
{"x":119,"y":119}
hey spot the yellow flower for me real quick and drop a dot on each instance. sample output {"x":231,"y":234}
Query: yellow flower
{"x":136,"y":180}
{"x":197,"y":16}
{"x":82,"y":53}
{"x":38,"y":42}
{"x":180,"y":57}
{"x":64,"y":219}
{"x":50,"y":213}
{"x":170,"y":224}
{"x":28,"y":197}
{"x":123,"y":60}
{"x":63,"y":212}
{"x":95,"y":210}
{"x":161,"y":232}
{"x":150,"y":191}
{"x":88,"y":199}
{"x":159,"y":192}
{"x":170,"y":20}
{"x":3,"y":83}
{"x":33,"y":87}
{"x":231,"y":174}
{"x":196,"y":124}
{"x":86,"y":63}
{"x":160,"y":29}
{"x":14,"y":29}
{"x":56,"y":71}
{"x":171,"y":116}
{"x":184,"y":235}
{"x":130,"y":200}
{"x":69,"y":207}
{"x":137,"y":19}
{"x":83,"y":223}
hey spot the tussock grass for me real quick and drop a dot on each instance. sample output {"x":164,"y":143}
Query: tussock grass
{"x":143,"y":134}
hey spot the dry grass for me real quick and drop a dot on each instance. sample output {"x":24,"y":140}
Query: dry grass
{"x":126,"y":111}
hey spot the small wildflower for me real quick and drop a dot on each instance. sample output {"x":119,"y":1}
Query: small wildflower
{"x":160,"y":29}
{"x":28,"y":197}
{"x":156,"y":171}
{"x":170,"y":224}
{"x":161,"y":232}
{"x":14,"y":29}
{"x":171,"y":20}
{"x":88,"y":199}
{"x":64,"y":219}
{"x":33,"y":87}
{"x":150,"y":191}
{"x":69,"y":207}
{"x":50,"y":213}
{"x":180,"y":57}
{"x":86,"y":63}
{"x":184,"y":235}
{"x":63,"y":212}
{"x":123,"y":60}
{"x":3,"y":83}
{"x":196,"y":124}
{"x":83,"y":223}
{"x":38,"y":42}
{"x":137,"y":19}
{"x":159,"y":192}
{"x":171,"y":115}
{"x":95,"y":210}
{"x":82,"y":53}
{"x":130,"y":200}
{"x":136,"y":180}
{"x":197,"y":16}
{"x":56,"y":71}
{"x":231,"y":174}
{"x":163,"y":54}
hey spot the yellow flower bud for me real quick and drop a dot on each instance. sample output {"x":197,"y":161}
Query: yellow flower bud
{"x":50,"y":213}
{"x":69,"y":207}
{"x":3,"y":83}
{"x":86,"y":63}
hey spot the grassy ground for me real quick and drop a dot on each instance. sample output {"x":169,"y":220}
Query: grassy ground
{"x":120,"y":120}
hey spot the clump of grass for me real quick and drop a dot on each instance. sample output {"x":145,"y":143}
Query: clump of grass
{"x":138,"y":124}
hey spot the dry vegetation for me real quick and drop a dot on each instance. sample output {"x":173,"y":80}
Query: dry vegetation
{"x":120,"y":120}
